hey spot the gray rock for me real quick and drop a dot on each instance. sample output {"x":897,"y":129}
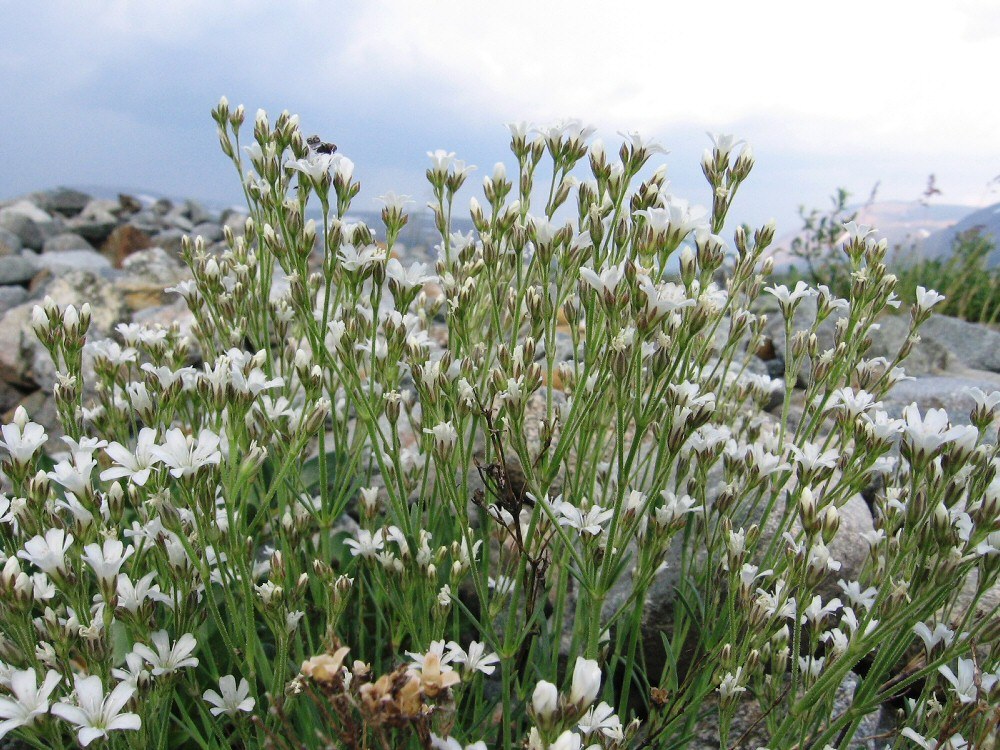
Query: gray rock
{"x":928,"y":357}
{"x":64,"y":242}
{"x":147,"y":221}
{"x":162,"y":206}
{"x":64,"y":201}
{"x":211,"y":232}
{"x":24,"y":228}
{"x":234,"y":219}
{"x":89,"y":261}
{"x":155,"y":265}
{"x":170,"y":240}
{"x":10,"y":243}
{"x":197,"y":213}
{"x":96,"y":221}
{"x":11,"y":296}
{"x":24,"y":361}
{"x":176,"y":219}
{"x":18,"y":269}
{"x":948,"y":392}
{"x":973,"y":345}
{"x":748,"y":721}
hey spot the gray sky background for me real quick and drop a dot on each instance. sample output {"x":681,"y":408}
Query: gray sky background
{"x":117,"y":93}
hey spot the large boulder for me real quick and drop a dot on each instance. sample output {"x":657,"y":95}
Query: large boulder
{"x":29,"y":223}
{"x":973,"y":345}
{"x":63,"y":201}
{"x":89,"y":261}
{"x":96,"y":221}
{"x":24,"y":361}
{"x":18,"y":269}
{"x":61,"y":243}
{"x":10,"y":243}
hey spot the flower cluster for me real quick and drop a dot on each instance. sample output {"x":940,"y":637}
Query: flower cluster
{"x":549,"y":440}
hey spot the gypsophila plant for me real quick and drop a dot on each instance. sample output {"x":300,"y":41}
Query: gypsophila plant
{"x":372,"y":502}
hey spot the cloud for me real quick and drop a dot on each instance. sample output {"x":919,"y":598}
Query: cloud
{"x":828,"y":95}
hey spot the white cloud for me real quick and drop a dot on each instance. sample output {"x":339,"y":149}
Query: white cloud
{"x":907,"y":76}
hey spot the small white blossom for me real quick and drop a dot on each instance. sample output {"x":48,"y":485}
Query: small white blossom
{"x":28,"y":700}
{"x":168,"y":658}
{"x":95,"y":714}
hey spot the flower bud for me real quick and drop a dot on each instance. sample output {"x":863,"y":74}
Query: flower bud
{"x":586,"y":683}
{"x":545,"y":700}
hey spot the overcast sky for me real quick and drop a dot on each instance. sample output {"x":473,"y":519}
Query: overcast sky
{"x":117,"y":93}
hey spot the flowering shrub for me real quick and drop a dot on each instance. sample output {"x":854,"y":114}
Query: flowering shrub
{"x":401,"y":506}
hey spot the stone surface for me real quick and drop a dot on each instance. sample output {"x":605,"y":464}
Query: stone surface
{"x":11,"y":296}
{"x":18,"y":269}
{"x":124,"y":241}
{"x":972,"y":345}
{"x":24,"y":228}
{"x":949,"y":392}
{"x":61,"y":200}
{"x":64,"y":242}
{"x":96,"y":221}
{"x":89,"y":261}
{"x":211,"y":232}
{"x":10,"y":243}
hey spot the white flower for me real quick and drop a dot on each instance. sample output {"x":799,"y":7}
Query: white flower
{"x":927,"y":298}
{"x":47,"y":553}
{"x":367,"y":544}
{"x":857,"y":231}
{"x":107,"y":560}
{"x":167,"y":659}
{"x":450,"y":743}
{"x":186,"y":455}
{"x":545,"y":699}
{"x":474,"y":659}
{"x":964,"y":682}
{"x":136,"y":466}
{"x":74,"y":476}
{"x":663,"y":299}
{"x":315,"y":166}
{"x":928,"y":433}
{"x":567,"y":741}
{"x":724,"y":143}
{"x":851,"y":402}
{"x":642,"y":144}
{"x":602,"y":718}
{"x":787,"y":298}
{"x":445,"y":435}
{"x":816,"y":612}
{"x":591,"y":522}
{"x":135,"y":672}
{"x":233,"y":697}
{"x":730,"y":684}
{"x":441,"y":160}
{"x":93,"y":714}
{"x":408,"y":278}
{"x":353,"y":259}
{"x":931,"y":638}
{"x":605,"y":282}
{"x":674,"y":508}
{"x":27,"y":701}
{"x":586,"y":682}
{"x":22,"y":438}
{"x":955,"y":742}
{"x":864,"y":598}
{"x":810,"y":457}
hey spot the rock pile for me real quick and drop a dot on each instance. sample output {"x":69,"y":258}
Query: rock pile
{"x":118,"y":255}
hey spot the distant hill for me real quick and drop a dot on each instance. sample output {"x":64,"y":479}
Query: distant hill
{"x":987,"y":219}
{"x":900,"y":222}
